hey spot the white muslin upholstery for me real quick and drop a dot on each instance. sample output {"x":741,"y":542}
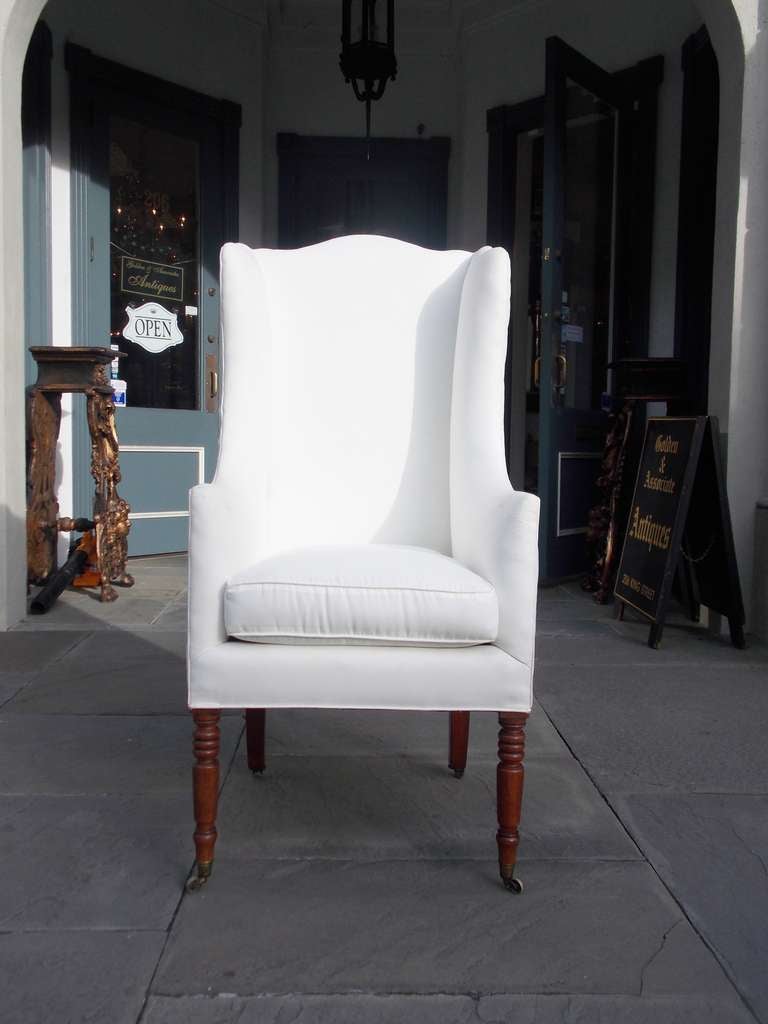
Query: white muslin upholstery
{"x":391,"y":594}
{"x":362,"y":404}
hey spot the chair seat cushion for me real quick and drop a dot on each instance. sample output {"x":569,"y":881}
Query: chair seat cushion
{"x":361,"y":594}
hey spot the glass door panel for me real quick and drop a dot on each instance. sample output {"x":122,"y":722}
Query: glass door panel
{"x":524,"y":356}
{"x":587,"y":251}
{"x":582,"y":115}
{"x":155,"y":170}
{"x":154,"y":263}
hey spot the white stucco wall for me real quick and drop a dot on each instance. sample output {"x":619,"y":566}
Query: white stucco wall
{"x":16,"y":23}
{"x":748,"y":378}
{"x":723,"y":28}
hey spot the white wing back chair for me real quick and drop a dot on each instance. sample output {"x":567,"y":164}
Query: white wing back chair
{"x":360,"y":545}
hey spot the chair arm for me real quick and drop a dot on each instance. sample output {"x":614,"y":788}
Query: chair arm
{"x":499,"y":539}
{"x":223,"y":538}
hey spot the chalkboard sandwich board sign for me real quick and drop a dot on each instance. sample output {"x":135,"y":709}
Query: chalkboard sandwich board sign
{"x":679,"y":521}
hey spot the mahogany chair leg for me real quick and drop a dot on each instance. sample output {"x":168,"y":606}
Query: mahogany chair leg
{"x":206,"y":793}
{"x":509,"y":789}
{"x":459,"y":740}
{"x":254,"y":738}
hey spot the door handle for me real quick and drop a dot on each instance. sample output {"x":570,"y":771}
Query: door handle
{"x":562,"y":371}
{"x":212,"y":382}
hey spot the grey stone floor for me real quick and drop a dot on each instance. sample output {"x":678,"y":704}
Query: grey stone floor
{"x":355,"y":880}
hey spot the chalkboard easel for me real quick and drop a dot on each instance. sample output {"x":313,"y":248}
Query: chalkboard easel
{"x":679,"y":522}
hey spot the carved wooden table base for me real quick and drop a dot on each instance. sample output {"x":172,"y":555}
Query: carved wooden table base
{"x":80,"y":370}
{"x":604,"y":530}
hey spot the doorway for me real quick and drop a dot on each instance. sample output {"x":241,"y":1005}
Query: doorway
{"x":571,"y":197}
{"x":154,"y":169}
{"x":338,"y":186}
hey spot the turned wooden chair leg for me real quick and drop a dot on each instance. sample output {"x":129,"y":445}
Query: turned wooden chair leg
{"x":459,"y":740}
{"x":509,"y":789}
{"x":254,"y":738}
{"x":206,"y":793}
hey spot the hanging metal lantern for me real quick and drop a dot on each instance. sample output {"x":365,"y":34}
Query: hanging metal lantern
{"x":367,"y":57}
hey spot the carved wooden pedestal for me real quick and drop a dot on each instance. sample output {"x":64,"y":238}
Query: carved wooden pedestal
{"x":80,"y":370}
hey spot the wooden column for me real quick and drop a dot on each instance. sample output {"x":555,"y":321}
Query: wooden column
{"x":43,"y":422}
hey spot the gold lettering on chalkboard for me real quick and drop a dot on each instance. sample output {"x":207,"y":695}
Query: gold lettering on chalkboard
{"x":646,"y":530}
{"x":659,"y":483}
{"x":639,"y":588}
{"x":666,"y":445}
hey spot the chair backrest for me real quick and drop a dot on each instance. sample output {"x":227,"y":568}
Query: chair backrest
{"x":337,"y":374}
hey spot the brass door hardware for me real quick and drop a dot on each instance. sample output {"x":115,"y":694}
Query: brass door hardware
{"x":212,"y":384}
{"x":561,"y":364}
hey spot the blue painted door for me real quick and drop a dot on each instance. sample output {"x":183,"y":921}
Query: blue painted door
{"x":156,"y":179}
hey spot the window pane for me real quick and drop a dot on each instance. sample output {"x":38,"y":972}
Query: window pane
{"x":588,"y":249}
{"x":154,"y":263}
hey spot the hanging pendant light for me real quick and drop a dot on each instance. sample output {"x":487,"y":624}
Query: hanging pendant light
{"x":367,"y":57}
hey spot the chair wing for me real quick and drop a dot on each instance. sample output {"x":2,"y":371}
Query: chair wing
{"x":494,"y":529}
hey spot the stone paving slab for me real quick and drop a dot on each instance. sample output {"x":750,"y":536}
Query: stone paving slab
{"x":299,"y":1009}
{"x":697,"y":728}
{"x":438,"y":1009}
{"x":563,"y":628}
{"x":73,"y":977}
{"x":111,"y":862}
{"x":374,"y":808}
{"x":174,"y":617}
{"x":625,"y":644}
{"x":155,"y":581}
{"x":712,"y":851}
{"x":557,"y":592}
{"x":83,"y":611}
{"x":113,"y":672}
{"x":568,"y":609}
{"x":416,"y":927}
{"x":612,"y":1010}
{"x":26,"y":653}
{"x":171,"y":560}
{"x":85,"y":754}
{"x":10,"y":684}
{"x":310,"y":732}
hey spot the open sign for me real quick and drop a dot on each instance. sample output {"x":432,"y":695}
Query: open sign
{"x":153,"y":327}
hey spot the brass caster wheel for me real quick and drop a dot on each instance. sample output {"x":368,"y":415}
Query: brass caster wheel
{"x":200,"y":875}
{"x":513,"y":885}
{"x":458,"y":773}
